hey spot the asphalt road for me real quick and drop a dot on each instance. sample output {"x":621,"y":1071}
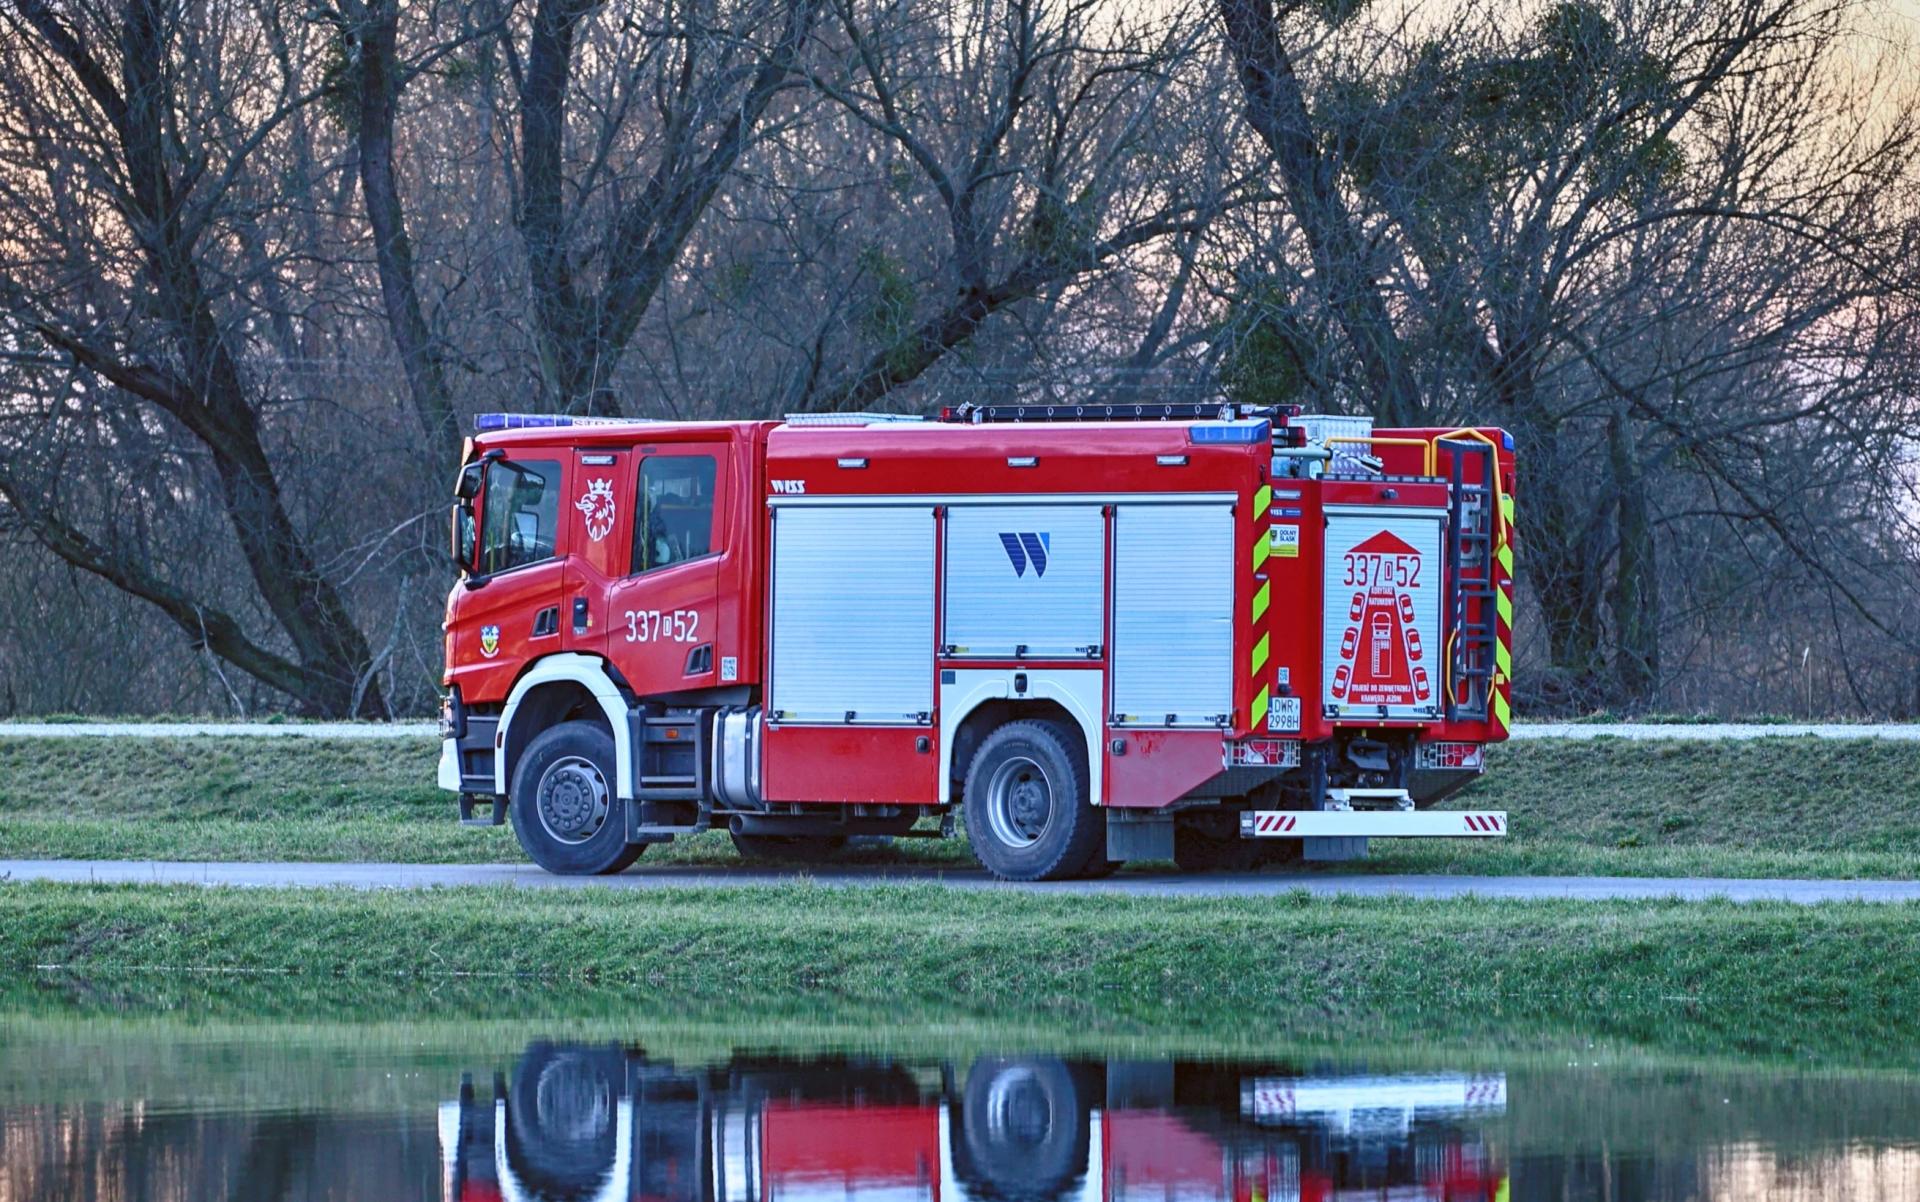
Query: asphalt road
{"x":429,"y":876}
{"x":1905,"y":732}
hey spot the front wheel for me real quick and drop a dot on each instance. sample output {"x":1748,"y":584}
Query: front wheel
{"x":1027,"y":810}
{"x":565,"y":809}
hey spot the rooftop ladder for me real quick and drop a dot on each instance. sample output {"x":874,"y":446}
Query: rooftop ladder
{"x":1471,"y":629}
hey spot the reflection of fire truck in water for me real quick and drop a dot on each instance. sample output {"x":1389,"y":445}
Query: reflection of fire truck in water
{"x":599,"y":1123}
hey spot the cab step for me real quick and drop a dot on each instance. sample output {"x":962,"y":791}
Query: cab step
{"x":498,"y":817}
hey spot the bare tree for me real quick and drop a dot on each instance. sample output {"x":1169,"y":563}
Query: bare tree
{"x":609,"y":196}
{"x":1611,"y":231}
{"x":127,"y":288}
{"x":1039,"y":133}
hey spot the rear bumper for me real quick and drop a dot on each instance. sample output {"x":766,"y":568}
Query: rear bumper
{"x":1373,"y":824}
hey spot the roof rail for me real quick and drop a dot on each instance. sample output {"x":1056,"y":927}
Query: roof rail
{"x":850,"y":419}
{"x":483,"y":422}
{"x":1162,"y":411}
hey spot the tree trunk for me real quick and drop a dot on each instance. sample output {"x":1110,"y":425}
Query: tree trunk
{"x":1564,"y":534}
{"x":1636,"y":585}
{"x":374,"y":30}
{"x":1277,"y":110}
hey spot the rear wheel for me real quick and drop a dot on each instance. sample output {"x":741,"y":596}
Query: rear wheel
{"x":1022,"y":1131}
{"x":1027,"y":811}
{"x":565,"y":810}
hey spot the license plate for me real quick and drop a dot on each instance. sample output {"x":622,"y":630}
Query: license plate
{"x":1284,"y":714}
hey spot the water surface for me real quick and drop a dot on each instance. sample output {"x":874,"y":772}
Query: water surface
{"x":187,"y":1117}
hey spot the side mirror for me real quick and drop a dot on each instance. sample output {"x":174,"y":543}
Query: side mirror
{"x":461,"y":546}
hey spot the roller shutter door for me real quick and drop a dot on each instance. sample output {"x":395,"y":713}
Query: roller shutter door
{"x":853,"y":599}
{"x":1029,"y":576}
{"x":1173,"y":613}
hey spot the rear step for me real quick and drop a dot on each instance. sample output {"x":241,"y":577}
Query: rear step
{"x":1369,"y":799}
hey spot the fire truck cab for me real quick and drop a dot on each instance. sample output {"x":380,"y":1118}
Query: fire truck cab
{"x":1097,"y":634}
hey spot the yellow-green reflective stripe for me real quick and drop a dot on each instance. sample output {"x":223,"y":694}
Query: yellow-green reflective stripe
{"x":1259,"y":707}
{"x":1502,"y":658}
{"x":1262,"y":498}
{"x":1503,"y":605}
{"x":1502,"y":712}
{"x":1260,"y":653}
{"x":1262,"y":547}
{"x":1262,"y":597}
{"x":1504,"y":557}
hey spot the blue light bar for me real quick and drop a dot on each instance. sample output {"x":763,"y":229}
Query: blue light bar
{"x":1201,"y":433}
{"x":482,"y":422}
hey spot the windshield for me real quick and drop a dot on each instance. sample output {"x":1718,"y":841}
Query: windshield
{"x":522,"y":509}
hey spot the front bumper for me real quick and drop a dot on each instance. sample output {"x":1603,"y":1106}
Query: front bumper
{"x":449,"y":774}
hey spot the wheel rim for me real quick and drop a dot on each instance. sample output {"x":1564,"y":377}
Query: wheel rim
{"x":1018,"y":1109}
{"x":1019,"y":802}
{"x":572,"y":1103}
{"x":572,"y":799}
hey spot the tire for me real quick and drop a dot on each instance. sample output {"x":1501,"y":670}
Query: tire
{"x":562,"y":1111}
{"x":581,"y":830}
{"x":1023,"y":1130}
{"x":804,"y":849}
{"x":1028,"y":817}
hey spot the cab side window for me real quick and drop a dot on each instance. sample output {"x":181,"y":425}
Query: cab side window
{"x":673,"y":517}
{"x":522,"y":504}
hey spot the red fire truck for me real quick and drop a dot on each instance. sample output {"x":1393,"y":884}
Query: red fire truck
{"x":610,"y":1124}
{"x":1097,"y":634}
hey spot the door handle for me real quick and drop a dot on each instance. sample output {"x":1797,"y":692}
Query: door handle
{"x":582,"y":620}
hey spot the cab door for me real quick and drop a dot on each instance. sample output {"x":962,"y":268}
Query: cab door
{"x":663,"y":614}
{"x":599,"y":519}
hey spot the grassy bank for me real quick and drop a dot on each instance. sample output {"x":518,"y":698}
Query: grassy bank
{"x":1769,"y":807}
{"x":1829,"y":983}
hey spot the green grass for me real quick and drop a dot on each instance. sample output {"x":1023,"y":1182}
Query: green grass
{"x":1829,"y":983}
{"x":1783,"y":806}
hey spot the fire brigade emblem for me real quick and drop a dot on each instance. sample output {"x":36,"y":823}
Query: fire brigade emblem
{"x":598,"y":507}
{"x":489,"y":641}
